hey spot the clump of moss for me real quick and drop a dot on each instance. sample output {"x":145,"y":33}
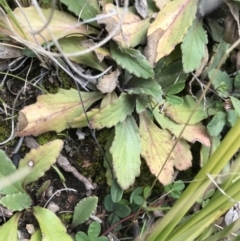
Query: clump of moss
{"x":5,"y":131}
{"x":66,"y":218}
{"x":47,"y":137}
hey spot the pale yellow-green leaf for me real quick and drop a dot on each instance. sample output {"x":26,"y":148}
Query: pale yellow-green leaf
{"x":72,"y":45}
{"x":156,"y":146}
{"x":61,"y":25}
{"x":169,"y":28}
{"x":114,"y":113}
{"x":40,"y":160}
{"x":51,"y":226}
{"x":53,"y":111}
{"x":181,"y":113}
{"x":8,"y":230}
{"x":126,"y":149}
{"x":191,"y":133}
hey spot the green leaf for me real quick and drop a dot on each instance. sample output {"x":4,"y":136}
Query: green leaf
{"x":16,"y":202}
{"x":112,"y":219}
{"x":142,"y":103}
{"x":218,"y":52}
{"x":181,"y":113}
{"x":36,"y":236}
{"x":9,"y":229}
{"x":84,"y":210}
{"x":167,"y":74}
{"x":81,"y":121}
{"x":221,"y":82}
{"x":29,"y":53}
{"x":137,"y":191}
{"x":74,"y":44}
{"x":7,"y":168}
{"x":102,"y":239}
{"x":83,"y":9}
{"x":126,"y":149}
{"x":174,"y":100}
{"x":217,"y":123}
{"x":116,"y":192}
{"x":143,"y":86}
{"x":122,"y":210}
{"x":108,"y":203}
{"x":176,"y":88}
{"x":193,"y":46}
{"x":81,"y":236}
{"x":40,"y":160}
{"x":236,"y":105}
{"x":51,"y":227}
{"x":139,"y":200}
{"x":132,"y":60}
{"x":114,"y":113}
{"x":108,"y":158}
{"x":178,"y":185}
{"x":231,"y":117}
{"x":146,"y":192}
{"x":94,"y":230}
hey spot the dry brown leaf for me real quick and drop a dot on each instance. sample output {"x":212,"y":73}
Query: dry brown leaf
{"x":133,"y":29}
{"x":108,"y":83}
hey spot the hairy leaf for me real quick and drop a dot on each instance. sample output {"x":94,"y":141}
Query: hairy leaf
{"x":169,"y":28}
{"x":126,"y":149}
{"x":40,"y":160}
{"x":51,"y":226}
{"x":133,"y":28}
{"x":61,"y":25}
{"x":84,"y":210}
{"x":217,"y":123}
{"x":114,"y":113}
{"x":16,"y":202}
{"x":53,"y":111}
{"x":74,"y":44}
{"x":156,"y":145}
{"x":7,"y":168}
{"x":181,"y":113}
{"x":193,"y":46}
{"x":83,"y":9}
{"x":132,"y":60}
{"x":143,"y":86}
{"x":191,"y":133}
{"x":9,"y":229}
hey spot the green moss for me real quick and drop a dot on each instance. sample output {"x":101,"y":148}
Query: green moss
{"x":5,"y":132}
{"x":67,"y":82}
{"x":66,"y":218}
{"x":47,"y":137}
